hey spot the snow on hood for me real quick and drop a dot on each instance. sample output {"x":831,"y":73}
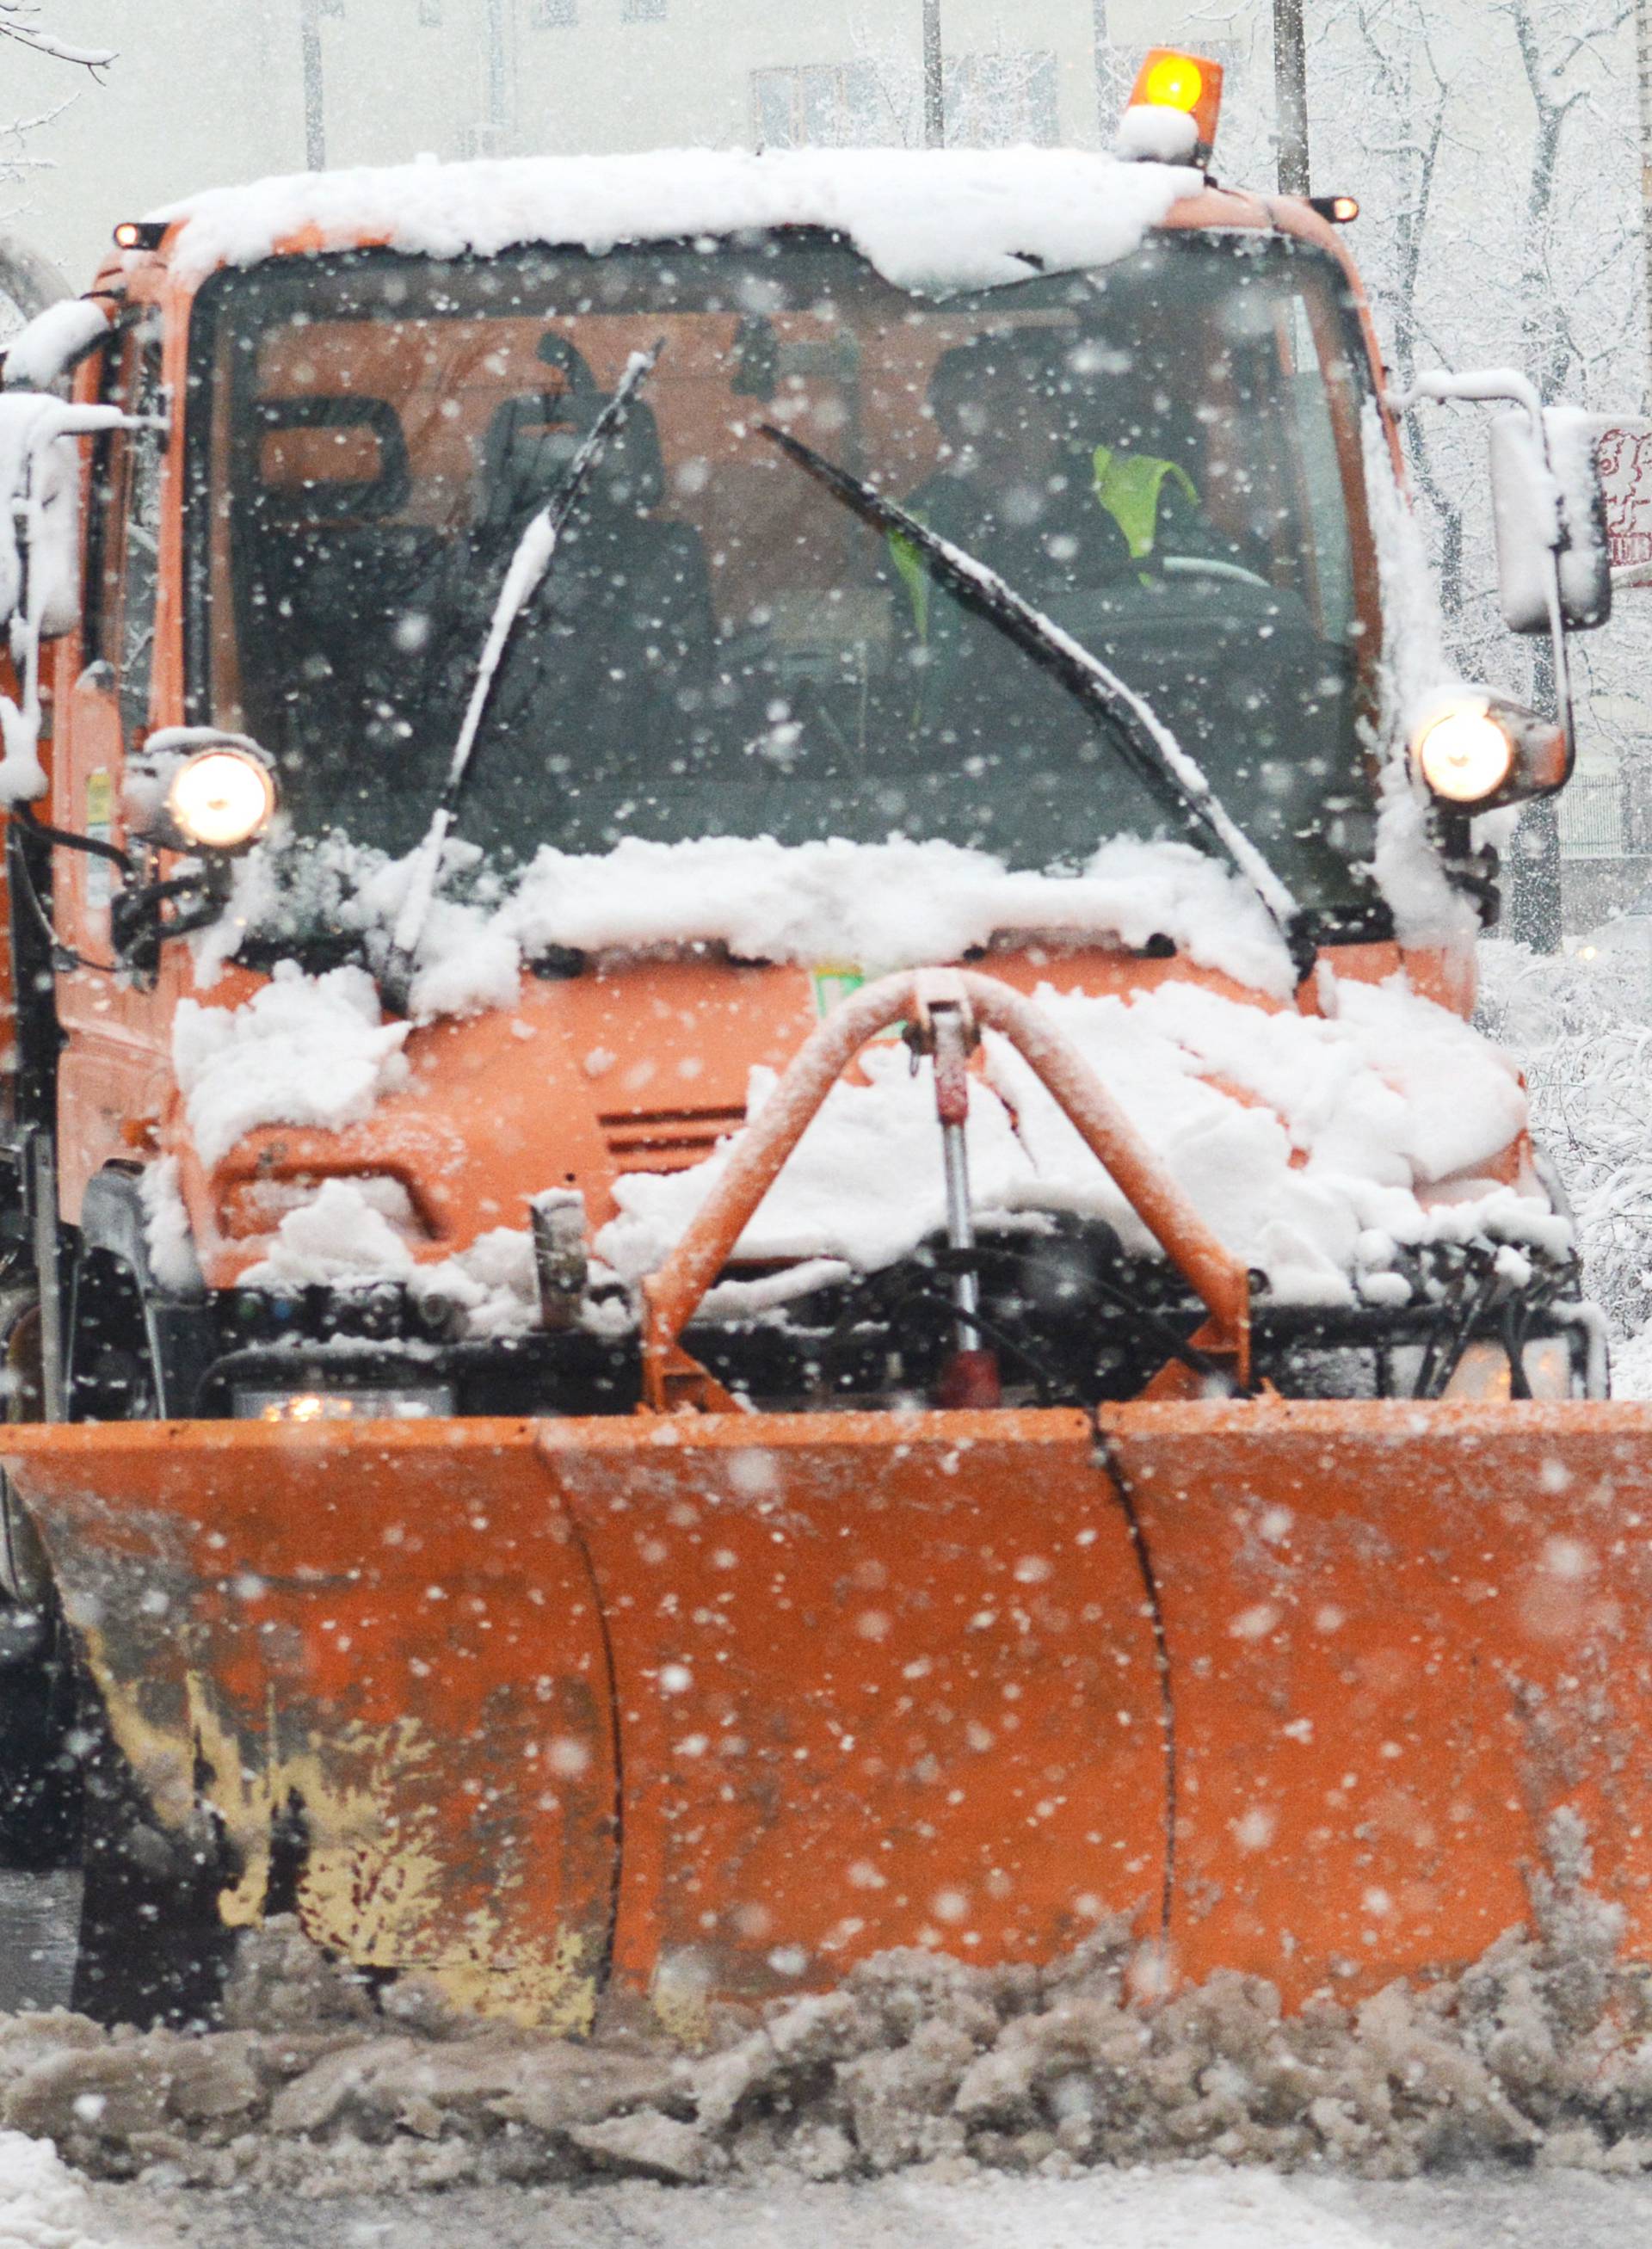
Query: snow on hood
{"x":1314,"y":1148}
{"x":937,"y":221}
{"x":1310,"y":1146}
{"x":304,"y":1051}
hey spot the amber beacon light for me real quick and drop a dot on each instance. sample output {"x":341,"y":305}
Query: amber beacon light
{"x":1190,"y":84}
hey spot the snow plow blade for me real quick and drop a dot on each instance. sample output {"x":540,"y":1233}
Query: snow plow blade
{"x":708,"y":1708}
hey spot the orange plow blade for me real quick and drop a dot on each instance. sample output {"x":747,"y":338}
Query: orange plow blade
{"x":710,"y":1707}
{"x":1402,"y":1638}
{"x":381,"y":1649}
{"x":884,"y":1680}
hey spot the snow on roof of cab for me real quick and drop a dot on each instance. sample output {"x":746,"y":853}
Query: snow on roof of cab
{"x":936,"y":221}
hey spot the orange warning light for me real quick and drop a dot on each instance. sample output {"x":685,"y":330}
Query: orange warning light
{"x":1172,"y":82}
{"x":1170,"y":79}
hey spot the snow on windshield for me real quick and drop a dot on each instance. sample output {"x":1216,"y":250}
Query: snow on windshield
{"x":962,"y":219}
{"x":882,"y":906}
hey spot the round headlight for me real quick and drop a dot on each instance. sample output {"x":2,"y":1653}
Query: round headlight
{"x":1463,"y":754}
{"x":221,"y":799}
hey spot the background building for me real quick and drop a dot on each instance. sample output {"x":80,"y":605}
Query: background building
{"x":230,"y":89}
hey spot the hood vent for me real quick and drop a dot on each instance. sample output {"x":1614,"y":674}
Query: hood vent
{"x":667,"y":1139}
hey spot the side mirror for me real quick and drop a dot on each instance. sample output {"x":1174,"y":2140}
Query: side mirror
{"x":39,"y":531}
{"x":1550,"y":514}
{"x":39,"y":558}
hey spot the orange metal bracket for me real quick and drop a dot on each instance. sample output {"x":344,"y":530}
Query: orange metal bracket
{"x":674,"y":1293}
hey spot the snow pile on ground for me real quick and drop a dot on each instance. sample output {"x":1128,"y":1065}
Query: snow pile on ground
{"x":42,"y":2205}
{"x":1542,"y":2050}
{"x":1204,"y":2205}
{"x":304,"y":1051}
{"x":953,"y":220}
{"x":1314,"y":1148}
{"x":1582,"y":1028}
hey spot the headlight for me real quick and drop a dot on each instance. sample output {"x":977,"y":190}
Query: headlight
{"x":1463,"y":754}
{"x":1481,"y":1373}
{"x":422,"y":1403}
{"x":221,"y":799}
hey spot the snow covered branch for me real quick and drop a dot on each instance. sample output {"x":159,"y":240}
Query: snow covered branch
{"x":17,"y":21}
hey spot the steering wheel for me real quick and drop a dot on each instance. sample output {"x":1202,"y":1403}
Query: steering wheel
{"x":1207,"y":566}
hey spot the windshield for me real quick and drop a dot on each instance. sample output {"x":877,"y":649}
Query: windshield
{"x":1160,"y":455}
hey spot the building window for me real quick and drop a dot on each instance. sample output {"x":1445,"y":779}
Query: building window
{"x":996,"y":99}
{"x":1002,"y":99}
{"x":555,"y":15}
{"x":823,"y":105}
{"x":642,"y":11}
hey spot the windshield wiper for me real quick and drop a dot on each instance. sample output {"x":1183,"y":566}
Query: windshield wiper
{"x":1149,"y":749}
{"x":529,"y":566}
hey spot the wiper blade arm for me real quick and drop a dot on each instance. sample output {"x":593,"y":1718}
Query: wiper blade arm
{"x":1151,"y":750}
{"x":529,"y":566}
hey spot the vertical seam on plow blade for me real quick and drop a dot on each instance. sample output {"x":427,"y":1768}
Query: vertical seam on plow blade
{"x":1108,"y":1462}
{"x":617,"y":1866}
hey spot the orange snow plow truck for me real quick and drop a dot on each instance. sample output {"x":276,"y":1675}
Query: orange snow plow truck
{"x":748,"y":1210}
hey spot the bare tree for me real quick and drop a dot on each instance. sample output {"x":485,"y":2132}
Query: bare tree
{"x":27,"y":283}
{"x":906,"y":93}
{"x":1291,"y":96}
{"x":1497,"y":247}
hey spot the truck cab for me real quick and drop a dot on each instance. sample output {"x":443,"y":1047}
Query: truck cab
{"x":739,"y":752}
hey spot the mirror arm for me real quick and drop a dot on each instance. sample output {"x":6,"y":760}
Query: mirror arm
{"x":137,"y":927}
{"x":1489,"y":386}
{"x":70,"y":840}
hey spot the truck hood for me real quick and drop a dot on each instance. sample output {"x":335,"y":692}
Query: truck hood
{"x":314,"y":1142}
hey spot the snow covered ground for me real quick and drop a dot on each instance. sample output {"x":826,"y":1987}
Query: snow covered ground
{"x":1535,"y":2058}
{"x":1195,"y":2206}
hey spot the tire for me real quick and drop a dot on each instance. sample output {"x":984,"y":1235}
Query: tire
{"x":153,"y":1949}
{"x":40,"y":1776}
{"x":39,"y":1771}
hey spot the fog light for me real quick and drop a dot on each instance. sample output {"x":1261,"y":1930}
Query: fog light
{"x":222,"y":799}
{"x":1463,"y":754}
{"x":427,"y":1402}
